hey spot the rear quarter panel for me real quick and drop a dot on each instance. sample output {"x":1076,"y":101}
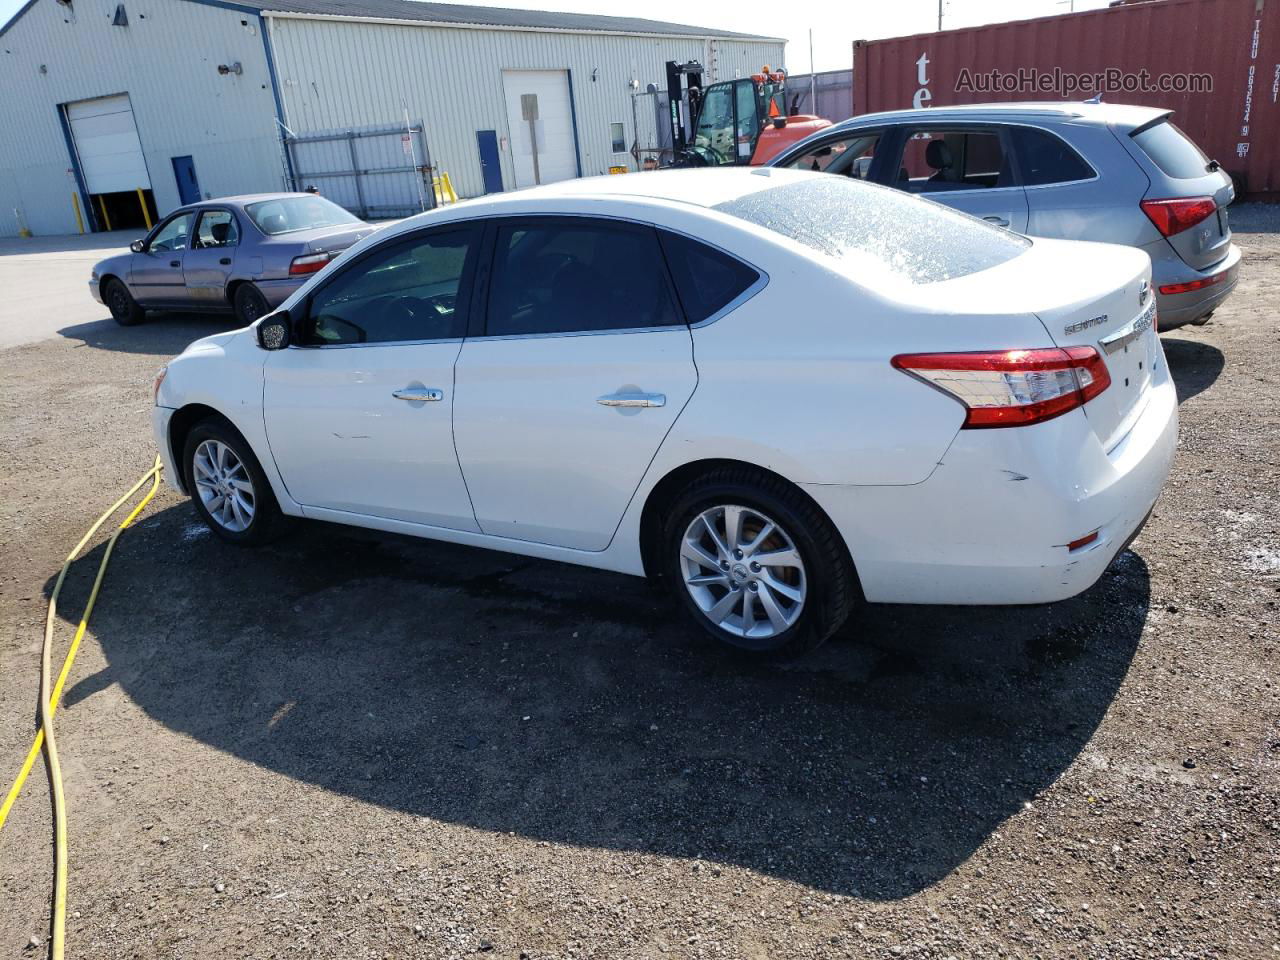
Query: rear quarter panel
{"x":798,"y":379}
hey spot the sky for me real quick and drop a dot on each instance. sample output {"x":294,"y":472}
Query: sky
{"x":835,"y":23}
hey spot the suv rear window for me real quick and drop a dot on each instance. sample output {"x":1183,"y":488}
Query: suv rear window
{"x":1172,"y":150}
{"x":878,"y":231}
{"x":1045,"y":158}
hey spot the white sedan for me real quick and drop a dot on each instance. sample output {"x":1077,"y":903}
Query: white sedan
{"x":782,"y":393}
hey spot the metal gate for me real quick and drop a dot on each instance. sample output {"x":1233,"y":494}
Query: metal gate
{"x":375,"y":172}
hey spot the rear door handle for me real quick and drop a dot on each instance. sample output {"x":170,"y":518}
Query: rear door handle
{"x":421,"y":394}
{"x":998,"y":221}
{"x":175,"y":263}
{"x":633,"y":400}
{"x":225,"y":261}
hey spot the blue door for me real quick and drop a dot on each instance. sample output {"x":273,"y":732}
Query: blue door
{"x":184,"y":171}
{"x":490,"y":165}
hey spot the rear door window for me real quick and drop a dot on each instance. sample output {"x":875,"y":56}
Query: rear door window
{"x":1172,"y":151}
{"x":577,"y":275}
{"x":1045,"y":158}
{"x":707,"y":280}
{"x":934,"y":160}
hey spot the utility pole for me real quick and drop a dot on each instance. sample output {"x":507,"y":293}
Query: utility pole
{"x":813,"y":79}
{"x":940,"y":2}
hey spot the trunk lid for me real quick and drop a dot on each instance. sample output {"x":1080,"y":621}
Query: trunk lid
{"x":1085,"y":294}
{"x":1178,"y":169}
{"x":331,"y":239}
{"x":1111,"y":307}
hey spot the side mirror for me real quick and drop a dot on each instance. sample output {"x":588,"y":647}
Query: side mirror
{"x":138,"y":246}
{"x":779,"y":122}
{"x":274,"y":330}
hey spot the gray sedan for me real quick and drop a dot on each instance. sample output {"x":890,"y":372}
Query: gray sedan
{"x":1075,"y":171}
{"x":245,"y":254}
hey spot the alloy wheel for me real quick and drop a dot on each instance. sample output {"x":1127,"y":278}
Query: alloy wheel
{"x":224,"y":485}
{"x":743,"y":571}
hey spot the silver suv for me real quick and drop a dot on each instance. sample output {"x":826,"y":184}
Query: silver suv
{"x":1079,"y":171}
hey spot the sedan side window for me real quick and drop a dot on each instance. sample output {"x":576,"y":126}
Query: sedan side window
{"x":174,"y":235}
{"x":580,"y":275}
{"x":414,"y":290}
{"x":849,"y":155}
{"x":217,"y":228}
{"x":936,"y":160}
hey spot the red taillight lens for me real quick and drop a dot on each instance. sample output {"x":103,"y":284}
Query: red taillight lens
{"x":309,"y":263}
{"x":1174,"y":216}
{"x":1013,"y":388}
{"x":1195,"y":284}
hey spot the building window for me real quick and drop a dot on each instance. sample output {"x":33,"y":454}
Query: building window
{"x":618,"y":135}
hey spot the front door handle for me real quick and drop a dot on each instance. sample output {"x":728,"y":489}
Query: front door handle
{"x":225,"y":261}
{"x":421,"y":394}
{"x":633,"y":400}
{"x":175,"y":263}
{"x":998,"y":221}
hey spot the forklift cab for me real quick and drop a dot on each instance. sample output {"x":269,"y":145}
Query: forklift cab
{"x":732,"y":117}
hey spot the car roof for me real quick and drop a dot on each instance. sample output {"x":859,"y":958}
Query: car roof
{"x":241,"y":199}
{"x":1119,"y":114}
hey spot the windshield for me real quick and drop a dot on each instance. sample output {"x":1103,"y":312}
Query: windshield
{"x":883,"y":235}
{"x":288,"y":214}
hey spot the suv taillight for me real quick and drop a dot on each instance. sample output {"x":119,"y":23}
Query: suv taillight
{"x":309,"y":263}
{"x":1012,"y":388}
{"x":1173,"y":216}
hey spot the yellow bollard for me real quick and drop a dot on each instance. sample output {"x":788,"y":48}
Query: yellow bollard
{"x":102,"y":205}
{"x":75,"y":205}
{"x":146,"y":214}
{"x":448,"y":187}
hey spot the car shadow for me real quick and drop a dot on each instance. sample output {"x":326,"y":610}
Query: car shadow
{"x":1194,"y":366}
{"x":161,"y":334}
{"x":578,"y":707}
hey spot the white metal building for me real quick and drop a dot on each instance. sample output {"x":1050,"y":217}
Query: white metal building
{"x":113,"y":106}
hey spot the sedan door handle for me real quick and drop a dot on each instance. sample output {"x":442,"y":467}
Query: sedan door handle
{"x":998,"y":221}
{"x":225,"y":261}
{"x":420,"y":394}
{"x":175,"y":263}
{"x":633,"y":400}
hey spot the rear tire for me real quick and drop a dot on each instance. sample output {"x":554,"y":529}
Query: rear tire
{"x":250,"y":305}
{"x":227,"y":486}
{"x":124,"y":309}
{"x":756,"y":563}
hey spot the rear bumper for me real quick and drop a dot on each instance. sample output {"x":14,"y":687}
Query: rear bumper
{"x":1179,"y":309}
{"x":992,"y":524}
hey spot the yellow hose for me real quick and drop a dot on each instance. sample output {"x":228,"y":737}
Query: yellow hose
{"x":49,"y":700}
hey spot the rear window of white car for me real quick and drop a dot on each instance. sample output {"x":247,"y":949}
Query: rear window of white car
{"x":878,"y":231}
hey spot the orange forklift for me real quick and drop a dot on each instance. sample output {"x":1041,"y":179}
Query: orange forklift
{"x":733,"y":122}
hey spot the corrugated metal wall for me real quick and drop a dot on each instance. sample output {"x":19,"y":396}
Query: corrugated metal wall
{"x":339,"y":74}
{"x":166,"y":60}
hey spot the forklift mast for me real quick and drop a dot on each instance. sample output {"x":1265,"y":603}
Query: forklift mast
{"x":684,"y":95}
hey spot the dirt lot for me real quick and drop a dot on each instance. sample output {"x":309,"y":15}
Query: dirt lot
{"x":356,"y":746}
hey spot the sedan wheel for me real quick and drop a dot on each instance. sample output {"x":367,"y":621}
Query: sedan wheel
{"x":124,"y":309}
{"x":743,"y":571}
{"x":224,"y":486}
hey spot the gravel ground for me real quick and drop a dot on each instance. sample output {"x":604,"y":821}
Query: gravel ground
{"x":354,"y":746}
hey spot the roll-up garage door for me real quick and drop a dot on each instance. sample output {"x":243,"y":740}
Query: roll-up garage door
{"x":107,"y":145}
{"x":540,"y":119}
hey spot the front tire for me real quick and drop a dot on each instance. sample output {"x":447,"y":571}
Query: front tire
{"x":756,"y":563}
{"x":227,"y":486}
{"x":124,"y":309}
{"x":250,"y":305}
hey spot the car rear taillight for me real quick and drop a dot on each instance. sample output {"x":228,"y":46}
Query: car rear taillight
{"x":309,"y":263}
{"x":1012,"y":388}
{"x":1191,"y":285}
{"x":1178,"y":214}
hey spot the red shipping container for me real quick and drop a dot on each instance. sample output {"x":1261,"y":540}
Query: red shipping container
{"x":1234,"y":43}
